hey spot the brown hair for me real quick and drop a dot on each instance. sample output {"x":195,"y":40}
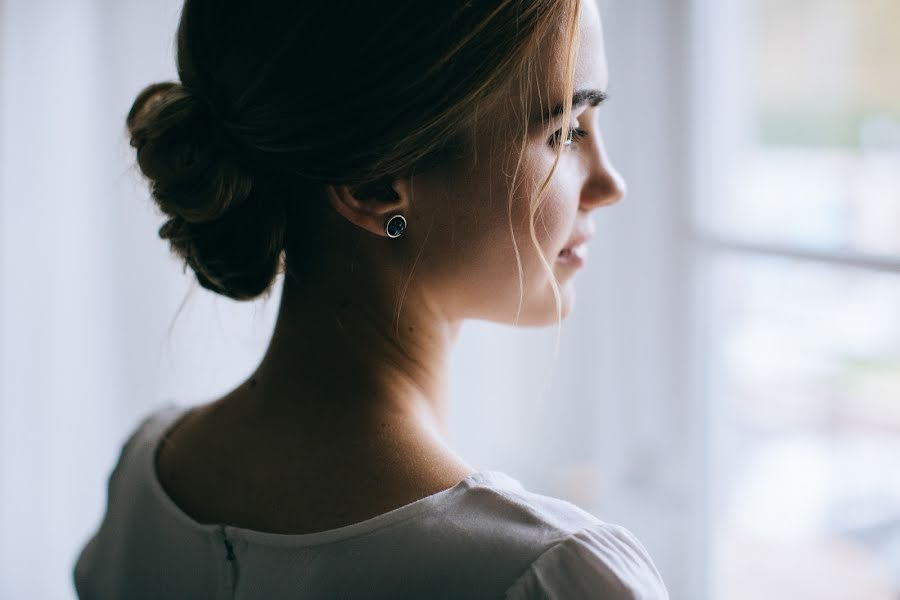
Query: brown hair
{"x":277,"y":98}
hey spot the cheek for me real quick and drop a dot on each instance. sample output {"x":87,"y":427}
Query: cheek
{"x":465,"y":236}
{"x":555,"y":217}
{"x":469,"y":252}
{"x":470,"y":234}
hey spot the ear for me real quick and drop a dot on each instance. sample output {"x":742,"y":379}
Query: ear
{"x":370,"y":206}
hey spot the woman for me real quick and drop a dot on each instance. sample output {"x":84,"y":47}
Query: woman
{"x":407,"y":165}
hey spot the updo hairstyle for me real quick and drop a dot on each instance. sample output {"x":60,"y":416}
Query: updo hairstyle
{"x":277,"y":97}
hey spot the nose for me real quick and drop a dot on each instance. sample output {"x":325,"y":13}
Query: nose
{"x":604,"y":185}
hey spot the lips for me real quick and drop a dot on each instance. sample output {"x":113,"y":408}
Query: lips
{"x":573,"y":257}
{"x":578,"y":241}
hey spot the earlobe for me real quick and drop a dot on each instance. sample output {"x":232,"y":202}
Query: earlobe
{"x":371,"y":206}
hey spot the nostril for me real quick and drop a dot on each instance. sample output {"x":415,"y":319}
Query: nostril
{"x":606,"y":190}
{"x":616,"y":187}
{"x":620,"y":183}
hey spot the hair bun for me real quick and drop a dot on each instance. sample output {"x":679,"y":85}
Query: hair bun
{"x":184,"y":151}
{"x":228,"y":230}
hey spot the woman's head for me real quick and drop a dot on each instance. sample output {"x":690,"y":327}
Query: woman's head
{"x":301,"y":127}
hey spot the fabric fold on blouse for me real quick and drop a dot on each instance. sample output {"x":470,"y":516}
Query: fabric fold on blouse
{"x":602,"y":561}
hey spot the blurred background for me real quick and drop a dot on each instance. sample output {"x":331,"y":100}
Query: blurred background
{"x":728,"y":386}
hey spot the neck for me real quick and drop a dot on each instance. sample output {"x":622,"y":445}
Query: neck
{"x":338,"y":354}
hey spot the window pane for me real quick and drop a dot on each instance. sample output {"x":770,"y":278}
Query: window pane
{"x":808,"y":431}
{"x":815,"y":132}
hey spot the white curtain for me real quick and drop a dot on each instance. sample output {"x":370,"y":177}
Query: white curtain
{"x":88,"y":294}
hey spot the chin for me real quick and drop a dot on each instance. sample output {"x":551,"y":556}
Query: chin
{"x":542,"y":312}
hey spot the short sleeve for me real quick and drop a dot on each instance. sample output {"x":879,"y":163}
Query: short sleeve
{"x":603,"y":561}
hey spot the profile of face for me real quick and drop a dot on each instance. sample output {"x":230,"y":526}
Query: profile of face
{"x":464,"y":217}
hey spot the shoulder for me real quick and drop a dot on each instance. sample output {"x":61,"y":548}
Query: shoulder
{"x":602,"y":560}
{"x":566,"y":551}
{"x":573,"y":554}
{"x":145,"y":435}
{"x":130,"y":468}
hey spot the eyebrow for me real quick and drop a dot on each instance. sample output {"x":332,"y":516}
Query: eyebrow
{"x":580,"y":97}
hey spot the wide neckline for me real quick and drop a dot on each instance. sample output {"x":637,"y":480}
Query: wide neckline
{"x":166,"y":418}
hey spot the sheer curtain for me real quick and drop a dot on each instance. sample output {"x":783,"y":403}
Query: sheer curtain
{"x":86,"y":289}
{"x":89,"y":296}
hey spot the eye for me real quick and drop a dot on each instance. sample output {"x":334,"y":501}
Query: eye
{"x":573,"y":134}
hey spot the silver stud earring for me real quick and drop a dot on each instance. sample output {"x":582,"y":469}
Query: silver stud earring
{"x":395,"y":226}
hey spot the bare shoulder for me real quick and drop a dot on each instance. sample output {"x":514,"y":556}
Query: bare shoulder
{"x":218,"y":465}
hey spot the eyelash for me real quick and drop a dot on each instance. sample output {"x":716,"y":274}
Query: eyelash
{"x":576,"y":134}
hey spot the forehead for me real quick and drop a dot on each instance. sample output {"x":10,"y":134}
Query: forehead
{"x":590,"y":61}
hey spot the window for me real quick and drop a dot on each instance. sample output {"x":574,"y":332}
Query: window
{"x":797,"y":217}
